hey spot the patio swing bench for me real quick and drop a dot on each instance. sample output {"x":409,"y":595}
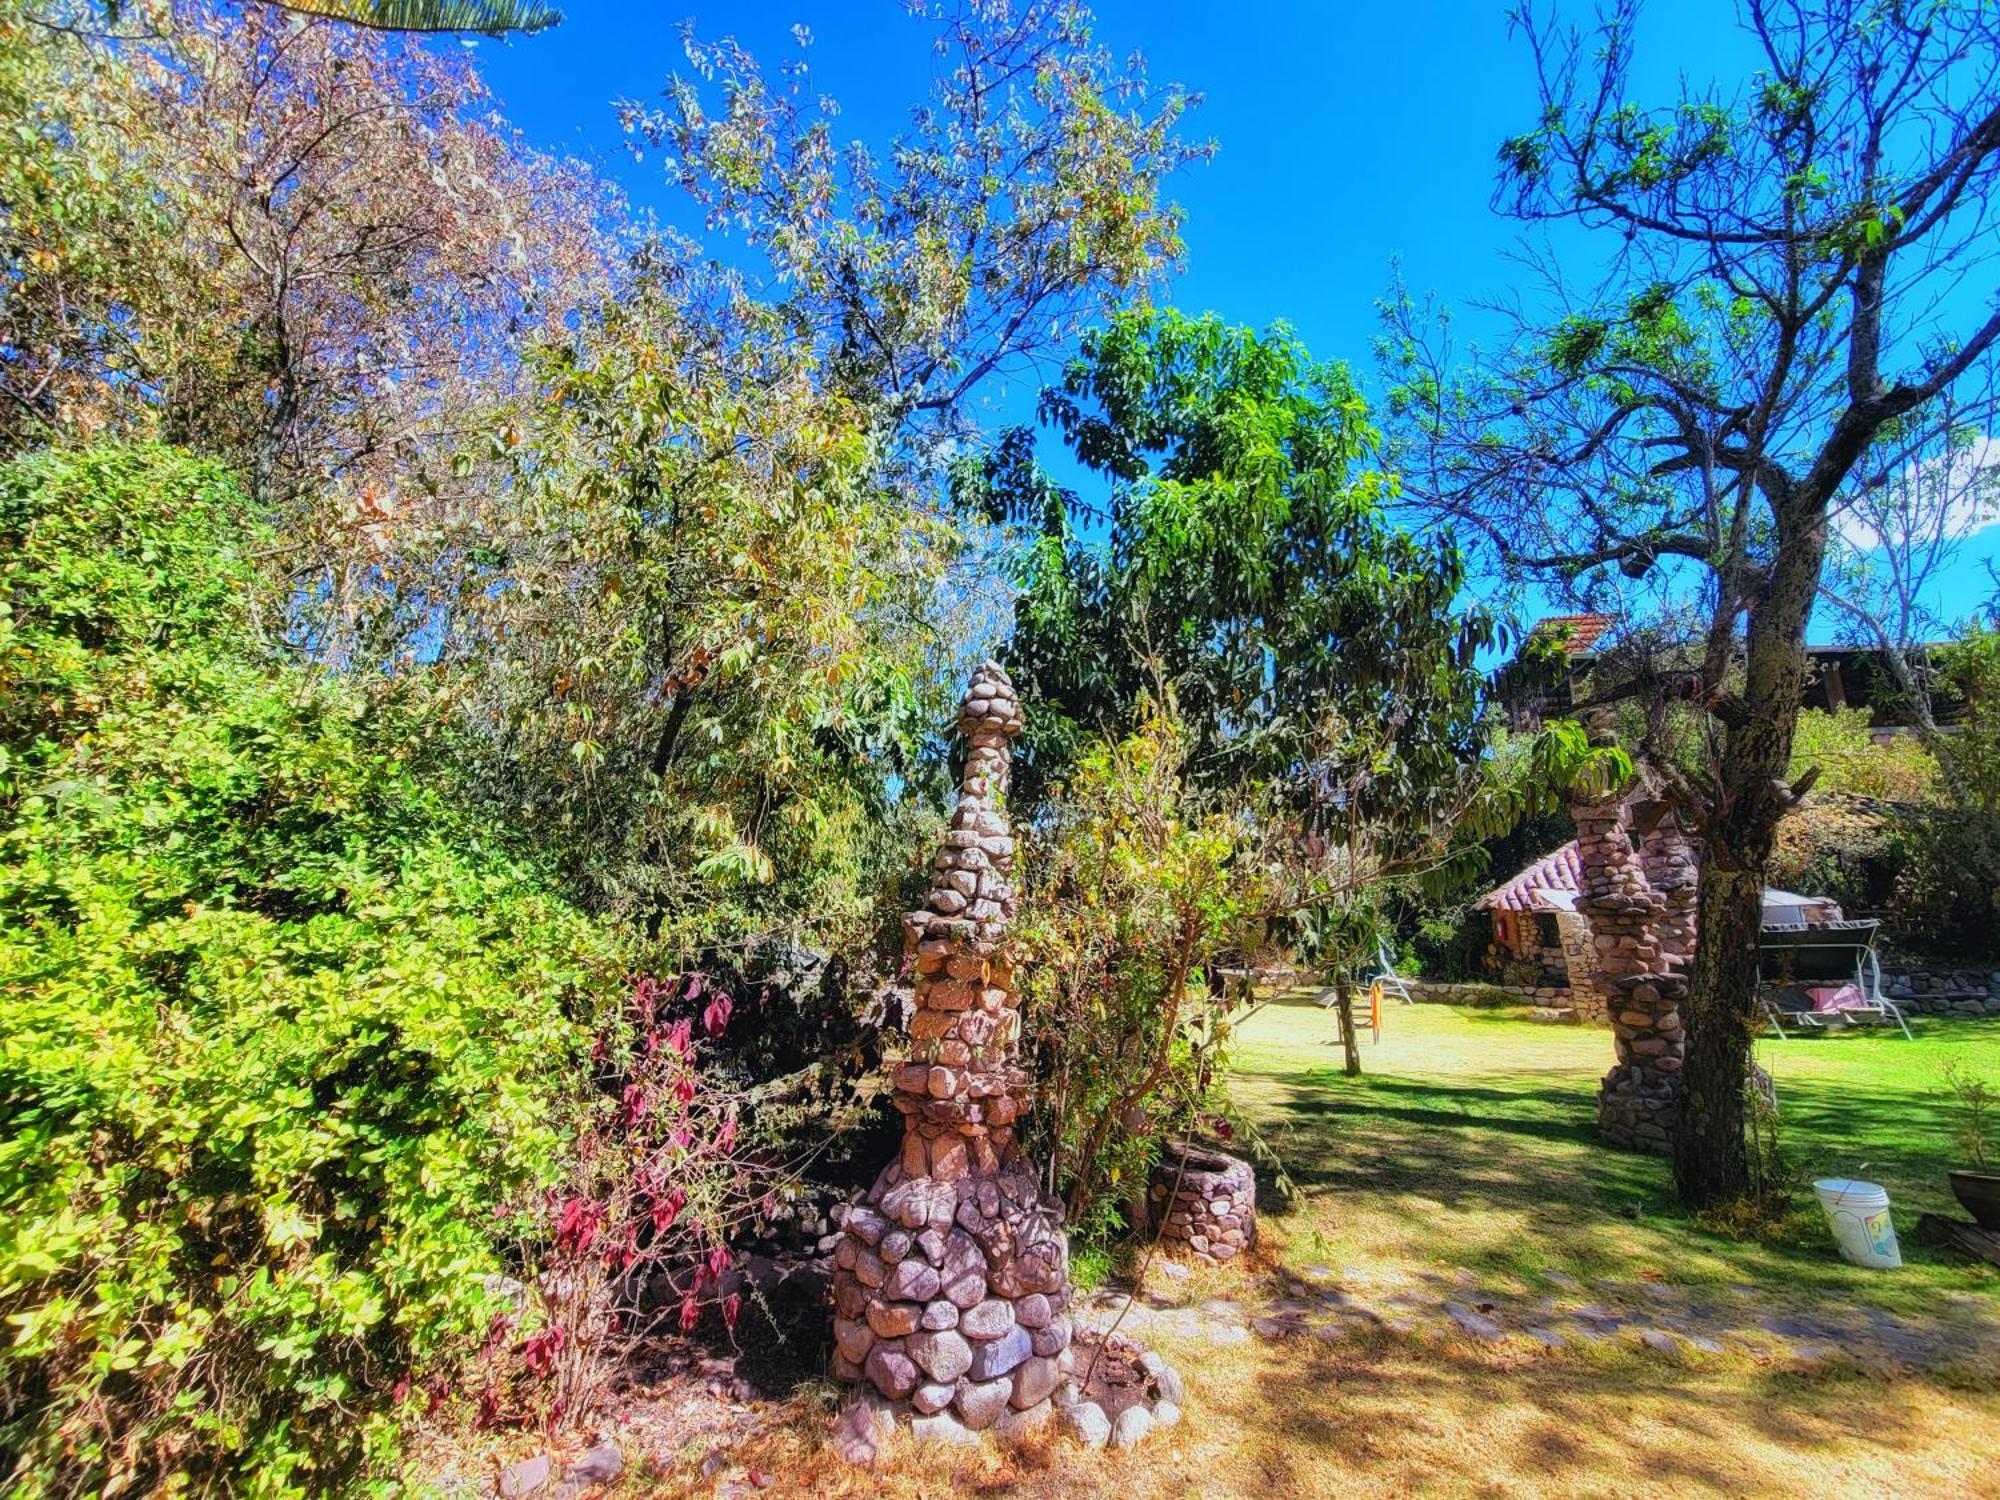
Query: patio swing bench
{"x":1812,"y":977}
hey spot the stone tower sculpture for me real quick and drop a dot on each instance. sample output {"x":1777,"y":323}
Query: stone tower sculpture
{"x":951,"y":1279}
{"x":1638,"y":878}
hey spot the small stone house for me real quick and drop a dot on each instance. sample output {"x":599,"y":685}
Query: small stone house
{"x":1535,"y":920}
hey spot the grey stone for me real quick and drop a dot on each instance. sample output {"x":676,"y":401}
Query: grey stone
{"x":987,"y":1320}
{"x":940,"y":1314}
{"x":525,"y":1477}
{"x":893,"y":1372}
{"x":1131,"y":1428}
{"x":934,"y":1397}
{"x":894,"y":1245}
{"x":1165,"y":1377}
{"x":1034,"y":1381}
{"x":600,"y":1466}
{"x":993,"y":1358}
{"x":944,"y":1355}
{"x":853,"y":1338}
{"x":1033,"y":1311}
{"x":911,"y":1281}
{"x":865,"y":1225}
{"x":1653,"y":1338}
{"x":1087,"y":1423}
{"x":1051,"y":1340}
{"x":1477,"y":1324}
{"x":1012,"y":1425}
{"x":962,"y":1277}
{"x":942,"y":1427}
{"x":1166,"y":1414}
{"x":980,"y":1403}
{"x":862,"y":1431}
{"x":1547,"y":1337}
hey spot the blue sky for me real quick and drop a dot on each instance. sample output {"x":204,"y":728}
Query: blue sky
{"x":1350,"y":134}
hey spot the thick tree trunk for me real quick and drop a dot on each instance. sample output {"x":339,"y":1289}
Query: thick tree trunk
{"x":1711,"y":1164}
{"x":1711,"y":1160}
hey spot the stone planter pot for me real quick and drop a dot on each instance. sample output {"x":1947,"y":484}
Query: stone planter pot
{"x":1205,"y":1200}
{"x":1979,"y":1193}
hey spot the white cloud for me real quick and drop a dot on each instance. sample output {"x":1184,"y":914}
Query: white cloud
{"x":1955,"y":496}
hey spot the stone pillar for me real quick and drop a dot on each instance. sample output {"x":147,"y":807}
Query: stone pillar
{"x":1586,"y":998}
{"x":1642,"y":931}
{"x":951,"y":1278}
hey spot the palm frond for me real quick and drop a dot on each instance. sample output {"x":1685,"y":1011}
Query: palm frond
{"x":490,"y":17}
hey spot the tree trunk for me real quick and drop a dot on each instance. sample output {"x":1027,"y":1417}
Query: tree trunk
{"x":1711,"y":1158}
{"x":1711,"y":1162}
{"x":1343,"y":1003}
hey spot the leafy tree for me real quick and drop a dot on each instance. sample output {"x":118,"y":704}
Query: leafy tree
{"x":1770,"y":328}
{"x":280,"y":1026}
{"x":1138,"y":888}
{"x":1245,"y":571}
{"x":489,"y":17}
{"x":1894,"y":542}
{"x":1024,"y":201}
{"x":689,"y":641}
{"x":1244,"y":557}
{"x":1948,"y":892}
{"x":303,"y":248}
{"x":87,"y":250}
{"x":697,"y":634}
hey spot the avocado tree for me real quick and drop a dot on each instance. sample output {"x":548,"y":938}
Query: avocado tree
{"x":1243,"y":570}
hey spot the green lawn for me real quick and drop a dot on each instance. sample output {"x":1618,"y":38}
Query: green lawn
{"x":1470,"y":1140}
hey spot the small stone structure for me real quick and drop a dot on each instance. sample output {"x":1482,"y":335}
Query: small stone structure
{"x":1638,"y":895}
{"x":951,"y":1277}
{"x":1204,"y":1200}
{"x":1945,"y":992}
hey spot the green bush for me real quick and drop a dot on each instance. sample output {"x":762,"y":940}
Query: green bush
{"x":1947,"y":898}
{"x":1838,"y":744}
{"x":278,"y":1032}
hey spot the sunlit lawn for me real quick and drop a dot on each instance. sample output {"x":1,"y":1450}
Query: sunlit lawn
{"x":1470,"y":1140}
{"x":1469,"y":1147}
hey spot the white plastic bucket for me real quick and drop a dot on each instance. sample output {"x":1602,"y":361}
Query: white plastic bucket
{"x":1858,"y":1213}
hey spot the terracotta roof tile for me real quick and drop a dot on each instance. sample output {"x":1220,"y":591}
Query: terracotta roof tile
{"x":1583,"y":631}
{"x":1555,"y":871}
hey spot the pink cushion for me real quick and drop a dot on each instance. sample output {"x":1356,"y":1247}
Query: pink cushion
{"x":1844,"y":997}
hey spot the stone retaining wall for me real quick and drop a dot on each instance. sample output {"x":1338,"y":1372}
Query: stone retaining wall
{"x":1477,"y":992}
{"x":1945,"y":992}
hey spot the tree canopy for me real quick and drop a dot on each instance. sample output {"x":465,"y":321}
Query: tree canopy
{"x":1244,"y":560}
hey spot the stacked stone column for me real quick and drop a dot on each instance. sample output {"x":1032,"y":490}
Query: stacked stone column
{"x":1639,"y":902}
{"x":951,"y":1279}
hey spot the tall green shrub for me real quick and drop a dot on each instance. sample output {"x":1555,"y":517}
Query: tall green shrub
{"x":1948,"y":894}
{"x":278,"y":1031}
